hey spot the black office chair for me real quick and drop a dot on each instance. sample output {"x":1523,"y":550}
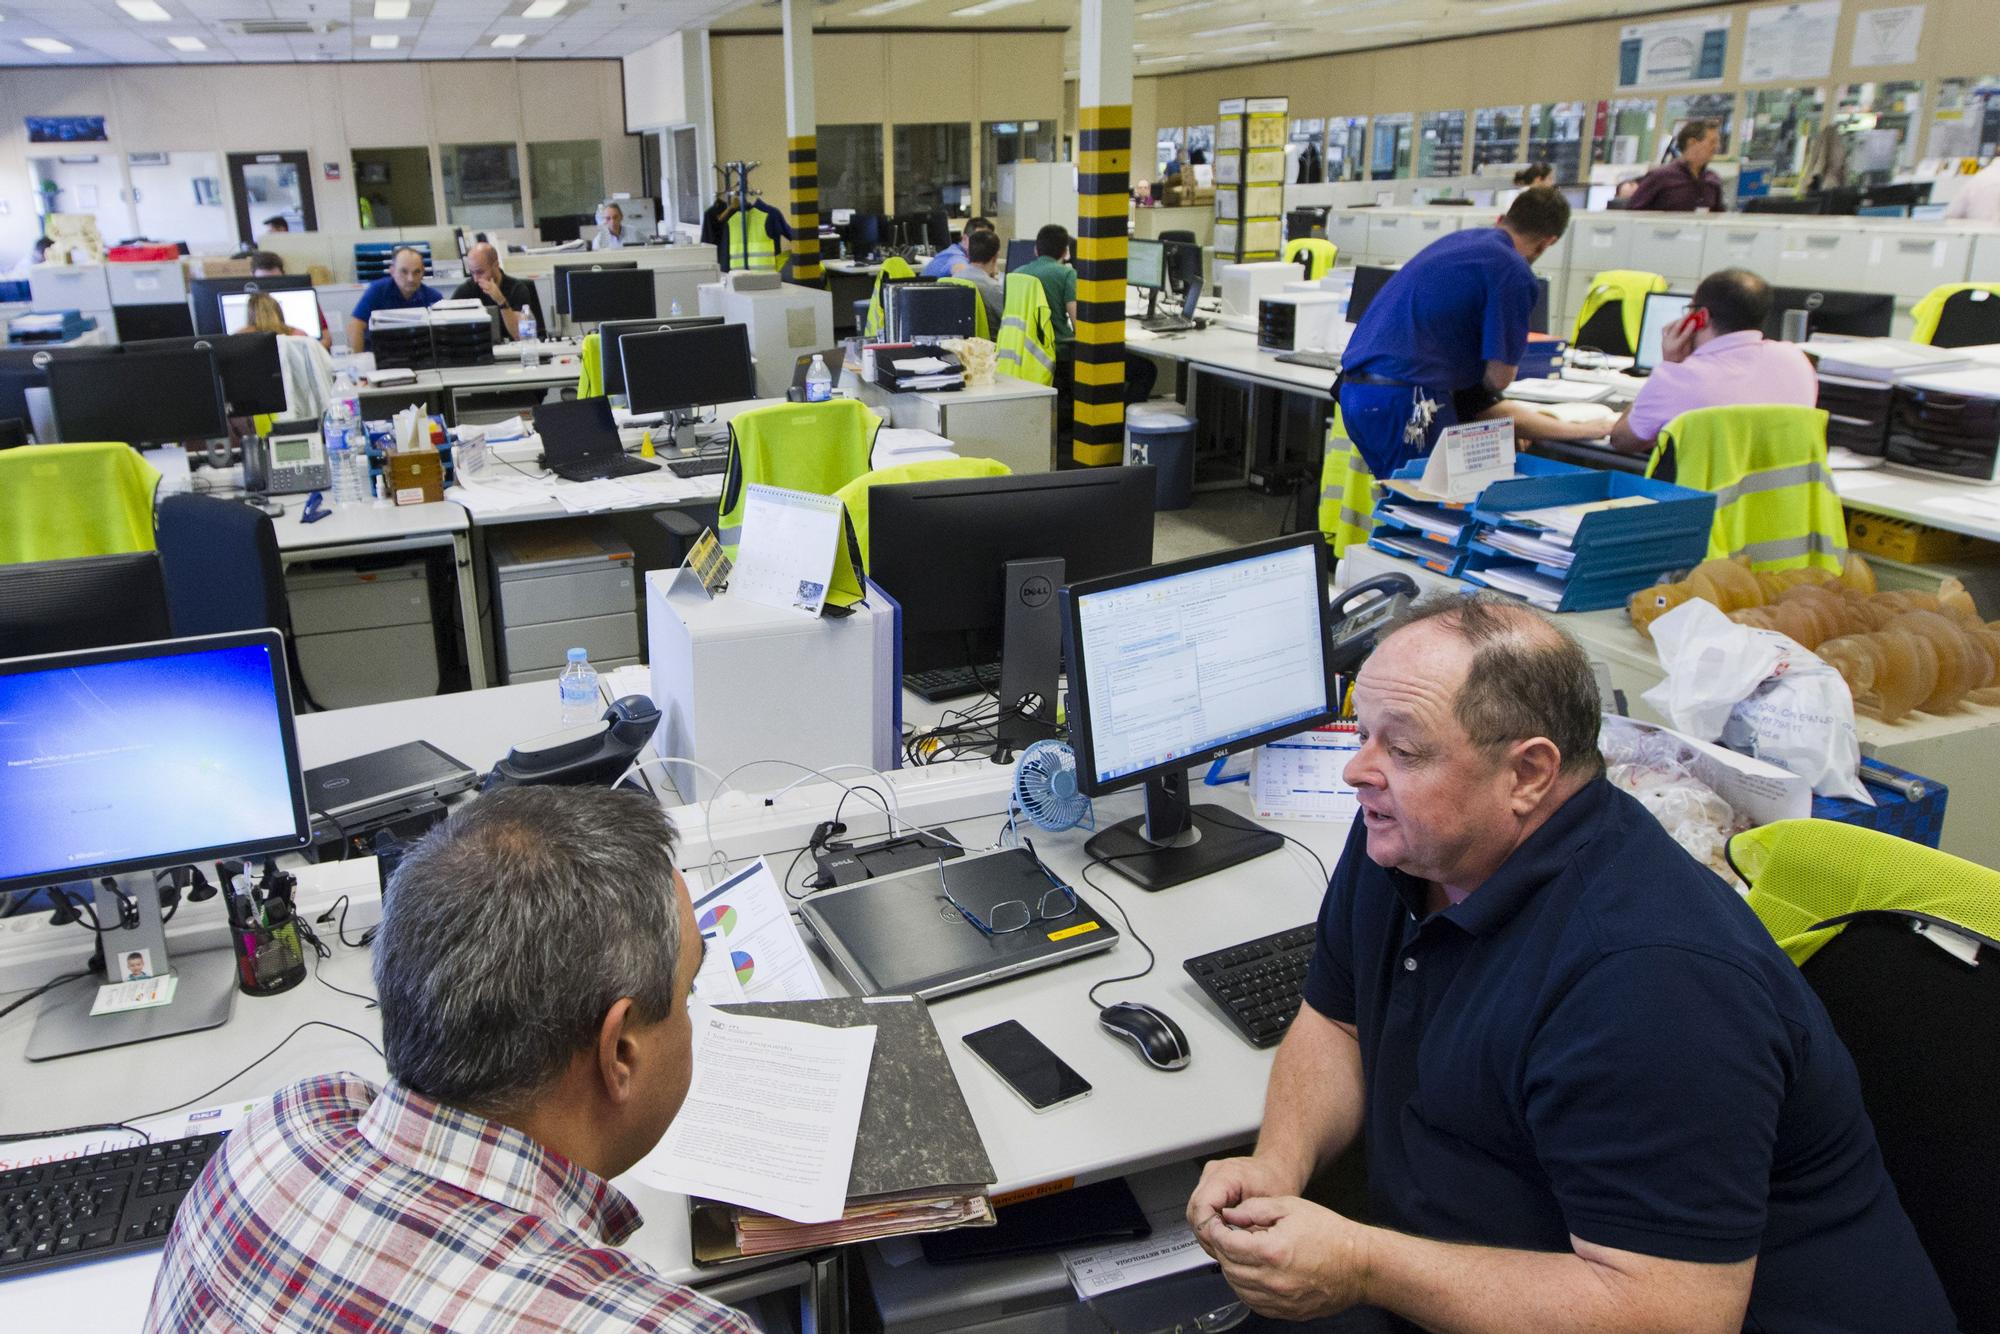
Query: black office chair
{"x":1968,"y":319}
{"x":223,"y":572}
{"x":1183,"y":255}
{"x":62,"y":606}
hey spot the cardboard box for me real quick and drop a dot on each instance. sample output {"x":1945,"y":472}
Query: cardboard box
{"x":416,"y":476}
{"x":1903,"y":540}
{"x":209,"y":266}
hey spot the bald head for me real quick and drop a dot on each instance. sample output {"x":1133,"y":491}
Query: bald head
{"x":482,"y":263}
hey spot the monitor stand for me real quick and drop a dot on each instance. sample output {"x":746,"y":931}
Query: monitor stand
{"x":1030,"y":655}
{"x":1176,"y":841}
{"x":204,"y":994}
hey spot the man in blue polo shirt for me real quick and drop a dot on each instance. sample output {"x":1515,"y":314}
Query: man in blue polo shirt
{"x":1446,"y":333}
{"x":1593,"y":1093}
{"x":401,"y":288}
{"x":946,"y":261}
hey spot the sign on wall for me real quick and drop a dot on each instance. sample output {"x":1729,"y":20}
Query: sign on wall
{"x":1673,"y":53}
{"x":1792,"y":42}
{"x":65,"y":129}
{"x":1887,"y":36}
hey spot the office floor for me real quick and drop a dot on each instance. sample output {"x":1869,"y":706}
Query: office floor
{"x":1217,"y":521}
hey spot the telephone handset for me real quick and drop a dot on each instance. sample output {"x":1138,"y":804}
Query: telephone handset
{"x":1356,"y":629}
{"x":286,"y":465}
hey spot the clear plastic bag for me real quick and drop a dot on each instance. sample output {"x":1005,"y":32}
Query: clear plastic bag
{"x":1654,"y":768}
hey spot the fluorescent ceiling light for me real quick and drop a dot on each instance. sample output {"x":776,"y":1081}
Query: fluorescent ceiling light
{"x":1235,"y":28}
{"x":392,"y":9}
{"x":510,"y":39}
{"x":48,"y":46}
{"x":1187,"y":8}
{"x":985,"y":7}
{"x":146,"y":11}
{"x":1247,"y":46}
{"x":884,"y":7}
{"x":544,"y":9}
{"x":187,"y":43}
{"x":385,"y":41}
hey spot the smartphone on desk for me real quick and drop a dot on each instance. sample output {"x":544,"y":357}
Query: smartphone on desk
{"x":1036,"y":1074}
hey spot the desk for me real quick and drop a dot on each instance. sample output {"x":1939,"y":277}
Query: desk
{"x":454,"y":391}
{"x":848,"y":281}
{"x":1009,"y":420}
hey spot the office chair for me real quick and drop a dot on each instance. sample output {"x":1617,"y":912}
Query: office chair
{"x":1319,"y":254}
{"x":60,"y":606}
{"x":1958,"y":315}
{"x":1923,"y":1026}
{"x":223,"y":573}
{"x":1613,"y":309}
{"x":854,"y":495}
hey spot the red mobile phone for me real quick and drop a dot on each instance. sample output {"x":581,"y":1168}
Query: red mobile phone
{"x":1697,"y":318}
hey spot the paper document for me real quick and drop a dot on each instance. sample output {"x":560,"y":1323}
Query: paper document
{"x":174,"y":1125}
{"x":1840,"y":458}
{"x":1303,"y":777}
{"x":1539,"y":589}
{"x":770,"y":1119}
{"x":1552,"y":550}
{"x":747,"y":921}
{"x":1566,"y":519}
{"x":787,"y":550}
{"x":1556,"y":391}
{"x":1102,"y":1269}
{"x":605,"y":493}
{"x":1441,"y":524}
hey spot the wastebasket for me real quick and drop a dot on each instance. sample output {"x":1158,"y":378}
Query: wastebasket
{"x":1163,"y":437}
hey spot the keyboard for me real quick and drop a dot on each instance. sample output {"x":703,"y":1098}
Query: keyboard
{"x":947,"y":683}
{"x":1169,"y":324}
{"x":1319,"y":361}
{"x":704,"y":465}
{"x":621,"y":466}
{"x":57,"y":1214}
{"x":1258,"y":983}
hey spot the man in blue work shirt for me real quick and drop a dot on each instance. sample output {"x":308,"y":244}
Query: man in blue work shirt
{"x":400,"y":289}
{"x":946,"y":261}
{"x":1592,"y":1091}
{"x":1451,"y":325}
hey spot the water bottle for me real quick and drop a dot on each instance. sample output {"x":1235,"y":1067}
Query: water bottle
{"x":357,"y":487}
{"x":579,"y":690}
{"x":336,"y":427}
{"x":531,"y":351}
{"x":819,"y":381}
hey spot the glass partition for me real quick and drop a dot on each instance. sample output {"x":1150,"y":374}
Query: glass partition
{"x":1389,"y":146}
{"x":1625,"y":130}
{"x":392,"y":187}
{"x":1169,"y":143}
{"x":1346,"y":148}
{"x":567,"y":175}
{"x":1557,"y":135}
{"x":1441,"y":144}
{"x":934,"y":168}
{"x":178,"y":197}
{"x":1783,"y":122}
{"x":482,"y":184}
{"x":1004,"y":142}
{"x":1305,"y":152}
{"x":850,"y":168}
{"x":1718,"y":109}
{"x":1967,"y":120}
{"x":1496,"y":137}
{"x":1201,"y":144}
{"x":1877,"y":121}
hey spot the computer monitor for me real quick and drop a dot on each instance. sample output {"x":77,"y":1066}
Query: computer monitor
{"x":1850,"y":314}
{"x":59,"y":606}
{"x":1146,"y":265}
{"x":1661,"y":310}
{"x":940,"y":548}
{"x":611,"y":332}
{"x":688,"y":368}
{"x":142,"y":398}
{"x":24,"y":369}
{"x":96,"y":765}
{"x":252,"y":371}
{"x":928,"y":311}
{"x":561,"y":275}
{"x":613,"y":294}
{"x":205,"y":295}
{"x":1538,"y":317}
{"x":1368,"y":282}
{"x":1185,"y":663}
{"x":1020,"y":251}
{"x":842,"y":216}
{"x":299,"y":305}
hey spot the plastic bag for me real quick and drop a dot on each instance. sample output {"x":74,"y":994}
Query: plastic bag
{"x":1654,"y":768}
{"x":1758,"y":693}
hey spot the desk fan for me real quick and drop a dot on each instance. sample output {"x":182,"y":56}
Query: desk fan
{"x":1045,"y":790}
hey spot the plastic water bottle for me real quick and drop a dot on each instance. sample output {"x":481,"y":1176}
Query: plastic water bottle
{"x":531,"y":350}
{"x":337,"y":427}
{"x":358,"y":487}
{"x":579,"y":690}
{"x":819,"y":381}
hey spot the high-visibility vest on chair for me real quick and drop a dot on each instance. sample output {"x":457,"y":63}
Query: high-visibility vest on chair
{"x":1346,"y":492}
{"x":1968,"y":302}
{"x":854,"y":496}
{"x":1774,"y":497}
{"x":590,"y":373}
{"x":816,"y":447}
{"x":981,"y":328}
{"x":84,"y":499}
{"x":750,"y":244}
{"x":1322,"y":254}
{"x":878,"y":316}
{"x":1027,"y":332}
{"x":1626,"y":289}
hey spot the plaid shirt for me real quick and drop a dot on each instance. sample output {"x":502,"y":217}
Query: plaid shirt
{"x":344,"y":1207}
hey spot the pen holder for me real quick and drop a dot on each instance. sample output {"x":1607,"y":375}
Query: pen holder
{"x":269,"y":955}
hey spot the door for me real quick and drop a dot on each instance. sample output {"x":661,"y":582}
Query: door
{"x":270,"y":185}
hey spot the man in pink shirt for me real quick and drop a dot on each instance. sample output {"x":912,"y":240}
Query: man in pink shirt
{"x":1716,"y":356}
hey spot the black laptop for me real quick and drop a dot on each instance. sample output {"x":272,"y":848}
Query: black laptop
{"x":580,"y":441}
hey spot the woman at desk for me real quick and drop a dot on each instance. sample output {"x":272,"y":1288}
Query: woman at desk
{"x":265,"y":316}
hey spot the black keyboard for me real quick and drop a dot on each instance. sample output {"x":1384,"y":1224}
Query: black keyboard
{"x":1319,"y":361}
{"x":58,"y":1214}
{"x":706,"y":465}
{"x":595,"y":469}
{"x":947,"y":683}
{"x":1259,"y":983}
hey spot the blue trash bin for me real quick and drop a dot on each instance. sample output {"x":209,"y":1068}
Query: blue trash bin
{"x":1163,"y":437}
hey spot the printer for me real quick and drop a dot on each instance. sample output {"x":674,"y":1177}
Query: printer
{"x":1302,"y":322}
{"x":1948,"y":423}
{"x":1245,"y":285}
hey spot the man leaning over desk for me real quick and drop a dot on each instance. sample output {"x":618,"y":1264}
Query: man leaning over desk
{"x":511,"y":296}
{"x":534,"y":964}
{"x":1593,"y":1093}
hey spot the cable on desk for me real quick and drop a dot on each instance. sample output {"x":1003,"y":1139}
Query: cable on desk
{"x":41,"y":990}
{"x":208,"y":1093}
{"x":1250,"y":828}
{"x":1137,"y":939}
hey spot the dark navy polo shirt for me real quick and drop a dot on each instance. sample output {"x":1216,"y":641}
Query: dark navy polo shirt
{"x":1462,"y":302}
{"x":1602,"y":1040}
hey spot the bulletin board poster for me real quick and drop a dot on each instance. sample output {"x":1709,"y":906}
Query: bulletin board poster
{"x":1790,"y":41}
{"x":66,"y":129}
{"x":1673,"y":53}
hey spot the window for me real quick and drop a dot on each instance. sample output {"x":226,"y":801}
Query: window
{"x":1967,"y":120}
{"x":1717,"y":109}
{"x":1346,"y":148}
{"x":933,"y":168}
{"x":850,"y":168}
{"x":392,"y":187}
{"x":482,"y":185}
{"x":1201,"y":144}
{"x":1389,"y":147}
{"x":1496,"y":137}
{"x":1878,"y":120}
{"x":1782,"y":122}
{"x":1625,"y":129}
{"x":687,"y":177}
{"x":1305,"y":152}
{"x":1167,"y":150}
{"x":1005,"y":142}
{"x":1556,"y":136}
{"x":566,"y":176}
{"x":1441,"y":144}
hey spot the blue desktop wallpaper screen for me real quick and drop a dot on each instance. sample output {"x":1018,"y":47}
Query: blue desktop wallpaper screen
{"x":120,"y":761}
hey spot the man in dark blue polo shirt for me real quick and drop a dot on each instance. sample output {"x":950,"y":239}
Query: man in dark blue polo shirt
{"x":1595,"y":1094}
{"x":402,"y":287}
{"x":1448,"y":327}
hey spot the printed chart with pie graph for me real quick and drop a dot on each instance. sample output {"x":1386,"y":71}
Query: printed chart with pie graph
{"x":721,"y":918}
{"x":745,"y":966}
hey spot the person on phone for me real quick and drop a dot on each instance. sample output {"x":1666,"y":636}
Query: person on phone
{"x":1716,"y":356}
{"x":1592,"y":1092}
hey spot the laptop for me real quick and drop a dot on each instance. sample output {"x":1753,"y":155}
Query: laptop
{"x":1180,"y":321}
{"x":385,"y":782}
{"x":580,"y":441}
{"x":836,"y":359}
{"x":1662,"y":309}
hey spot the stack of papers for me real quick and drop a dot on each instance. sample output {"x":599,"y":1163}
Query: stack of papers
{"x":1552,"y":550}
{"x":1422,"y":548}
{"x":1432,"y":520}
{"x":1564,"y":520}
{"x":1556,"y":391}
{"x":1540,"y":589}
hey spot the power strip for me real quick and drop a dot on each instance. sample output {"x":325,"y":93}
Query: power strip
{"x":32,"y":951}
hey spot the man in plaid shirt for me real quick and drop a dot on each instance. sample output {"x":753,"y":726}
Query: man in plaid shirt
{"x":534,"y":963}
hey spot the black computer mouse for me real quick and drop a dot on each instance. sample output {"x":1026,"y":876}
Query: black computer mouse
{"x":1158,"y":1039}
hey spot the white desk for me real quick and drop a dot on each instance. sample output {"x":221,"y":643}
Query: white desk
{"x":1009,"y":420}
{"x":1960,"y":507}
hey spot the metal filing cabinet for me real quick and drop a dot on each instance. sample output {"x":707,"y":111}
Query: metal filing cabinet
{"x":1669,"y":247}
{"x":363,"y":633}
{"x":560,"y":586}
{"x":1740,"y":245}
{"x":1910,"y":261}
{"x":1832,"y":256}
{"x":1601,"y":241}
{"x":1347,"y":228}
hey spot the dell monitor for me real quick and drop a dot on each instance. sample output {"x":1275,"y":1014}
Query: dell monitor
{"x":682,"y":369}
{"x":614,"y":294}
{"x":1369,"y":280}
{"x":561,"y":273}
{"x":117,"y":762}
{"x":159,"y":397}
{"x":205,"y":294}
{"x":611,"y":332}
{"x":249,"y":364}
{"x":1661,"y":310}
{"x":299,"y":306}
{"x":1146,"y":265}
{"x":1182,"y":664}
{"x":1848,"y":314}
{"x":1020,"y":252}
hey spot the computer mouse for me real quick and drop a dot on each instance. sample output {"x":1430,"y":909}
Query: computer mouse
{"x":1158,"y":1039}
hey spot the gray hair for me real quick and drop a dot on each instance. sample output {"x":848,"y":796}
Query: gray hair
{"x":1528,"y":678}
{"x":408,"y":249}
{"x":509,"y":931}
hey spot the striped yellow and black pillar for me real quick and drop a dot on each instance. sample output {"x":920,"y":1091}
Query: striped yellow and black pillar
{"x":1103,"y":185}
{"x":802,"y":156}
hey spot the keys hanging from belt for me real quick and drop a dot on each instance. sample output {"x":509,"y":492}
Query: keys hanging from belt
{"x":1417,"y":430}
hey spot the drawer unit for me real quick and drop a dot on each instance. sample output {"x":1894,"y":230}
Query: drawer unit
{"x":1949,"y":424}
{"x":539,"y":652}
{"x":1911,"y":261}
{"x":70,"y":287}
{"x":1599,"y":242}
{"x":363,"y":634}
{"x":1669,"y":248}
{"x":557,"y":587}
{"x":146,"y":284}
{"x":1347,"y":228}
{"x":1740,"y":245}
{"x":1831,"y":257}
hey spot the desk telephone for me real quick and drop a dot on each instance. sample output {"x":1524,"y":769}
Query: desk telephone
{"x":1356,"y":628}
{"x":286,"y":465}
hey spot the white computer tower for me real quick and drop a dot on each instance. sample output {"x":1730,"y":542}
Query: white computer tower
{"x":785,"y":324}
